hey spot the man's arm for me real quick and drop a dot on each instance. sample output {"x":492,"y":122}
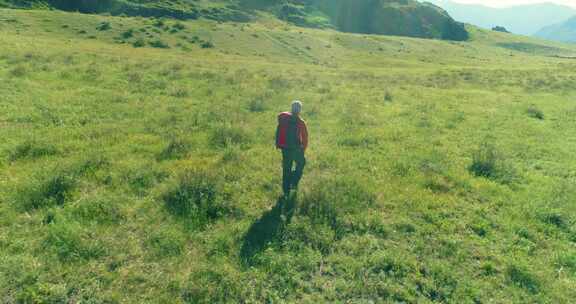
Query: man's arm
{"x":304,"y":136}
{"x":277,"y":136}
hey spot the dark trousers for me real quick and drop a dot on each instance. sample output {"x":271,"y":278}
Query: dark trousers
{"x":291,"y":177}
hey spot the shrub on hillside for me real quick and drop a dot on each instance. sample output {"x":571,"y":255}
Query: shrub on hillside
{"x":179,"y":26}
{"x":127,"y":34}
{"x":45,"y":191}
{"x":207,"y":45}
{"x":197,"y":197}
{"x":500,"y":29}
{"x":158,"y":44}
{"x":159,"y":23}
{"x":139,"y":43}
{"x":104,"y":26}
{"x":31,"y":149}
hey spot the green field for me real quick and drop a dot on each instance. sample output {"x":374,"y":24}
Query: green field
{"x":137,"y":164}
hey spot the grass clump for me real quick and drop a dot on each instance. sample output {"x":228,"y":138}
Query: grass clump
{"x":567,"y":262}
{"x":388,"y":97}
{"x":257,"y":106}
{"x":226,"y":135}
{"x":70,"y":242}
{"x":487,"y":162}
{"x":331,"y":198}
{"x":166,"y":243}
{"x":207,"y":45}
{"x":178,"y":92}
{"x":535,"y":112}
{"x":31,"y":149}
{"x":555,"y":219}
{"x":141,"y":179}
{"x":19,"y":71}
{"x":104,"y":26}
{"x":521,"y":277}
{"x":198,"y":197}
{"x":159,"y":23}
{"x":159,"y":44}
{"x":139,"y":43}
{"x":98,"y":208}
{"x":177,"y":148}
{"x":42,"y":293}
{"x":53,"y":189}
{"x":127,"y":34}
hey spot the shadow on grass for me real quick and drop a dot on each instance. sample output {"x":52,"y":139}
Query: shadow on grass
{"x":267,"y":229}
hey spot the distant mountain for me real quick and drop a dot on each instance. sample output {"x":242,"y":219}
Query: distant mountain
{"x":387,"y":17}
{"x":564,"y":32}
{"x":523,"y":19}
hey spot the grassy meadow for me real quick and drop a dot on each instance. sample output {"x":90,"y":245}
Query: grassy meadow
{"x":137,"y":165}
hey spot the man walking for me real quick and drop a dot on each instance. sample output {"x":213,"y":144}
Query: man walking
{"x":292,"y":138}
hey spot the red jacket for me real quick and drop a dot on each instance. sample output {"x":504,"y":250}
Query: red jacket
{"x":282,"y":130}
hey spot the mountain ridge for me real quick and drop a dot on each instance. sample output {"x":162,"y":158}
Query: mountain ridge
{"x":388,"y":17}
{"x":522,"y":19}
{"x":563,"y":32}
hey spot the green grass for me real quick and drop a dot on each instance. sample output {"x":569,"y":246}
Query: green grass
{"x":438,"y":172}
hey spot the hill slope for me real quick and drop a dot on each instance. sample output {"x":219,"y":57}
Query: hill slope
{"x":392,"y":17}
{"x":137,"y":164}
{"x":522,"y":19}
{"x":564,"y":32}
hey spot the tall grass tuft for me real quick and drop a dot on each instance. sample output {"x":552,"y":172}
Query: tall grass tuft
{"x":197,"y":197}
{"x":535,"y":112}
{"x":166,"y":243}
{"x":328,"y":200}
{"x":98,"y":208}
{"x":70,"y":242}
{"x":19,"y":71}
{"x":177,"y":148}
{"x":104,"y":26}
{"x":225,"y":135}
{"x":159,"y":44}
{"x":31,"y":149}
{"x":487,"y":162}
{"x":521,"y":277}
{"x":256,"y":105}
{"x":53,"y":189}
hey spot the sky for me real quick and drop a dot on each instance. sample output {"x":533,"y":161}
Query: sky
{"x":505,"y":3}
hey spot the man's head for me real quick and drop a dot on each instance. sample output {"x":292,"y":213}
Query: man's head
{"x":296,"y":107}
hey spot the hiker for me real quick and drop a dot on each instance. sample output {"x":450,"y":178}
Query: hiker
{"x":292,"y":138}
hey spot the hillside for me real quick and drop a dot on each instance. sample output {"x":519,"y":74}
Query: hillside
{"x":564,"y":32}
{"x":137,"y":164}
{"x":391,"y":17}
{"x":521,"y":19}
